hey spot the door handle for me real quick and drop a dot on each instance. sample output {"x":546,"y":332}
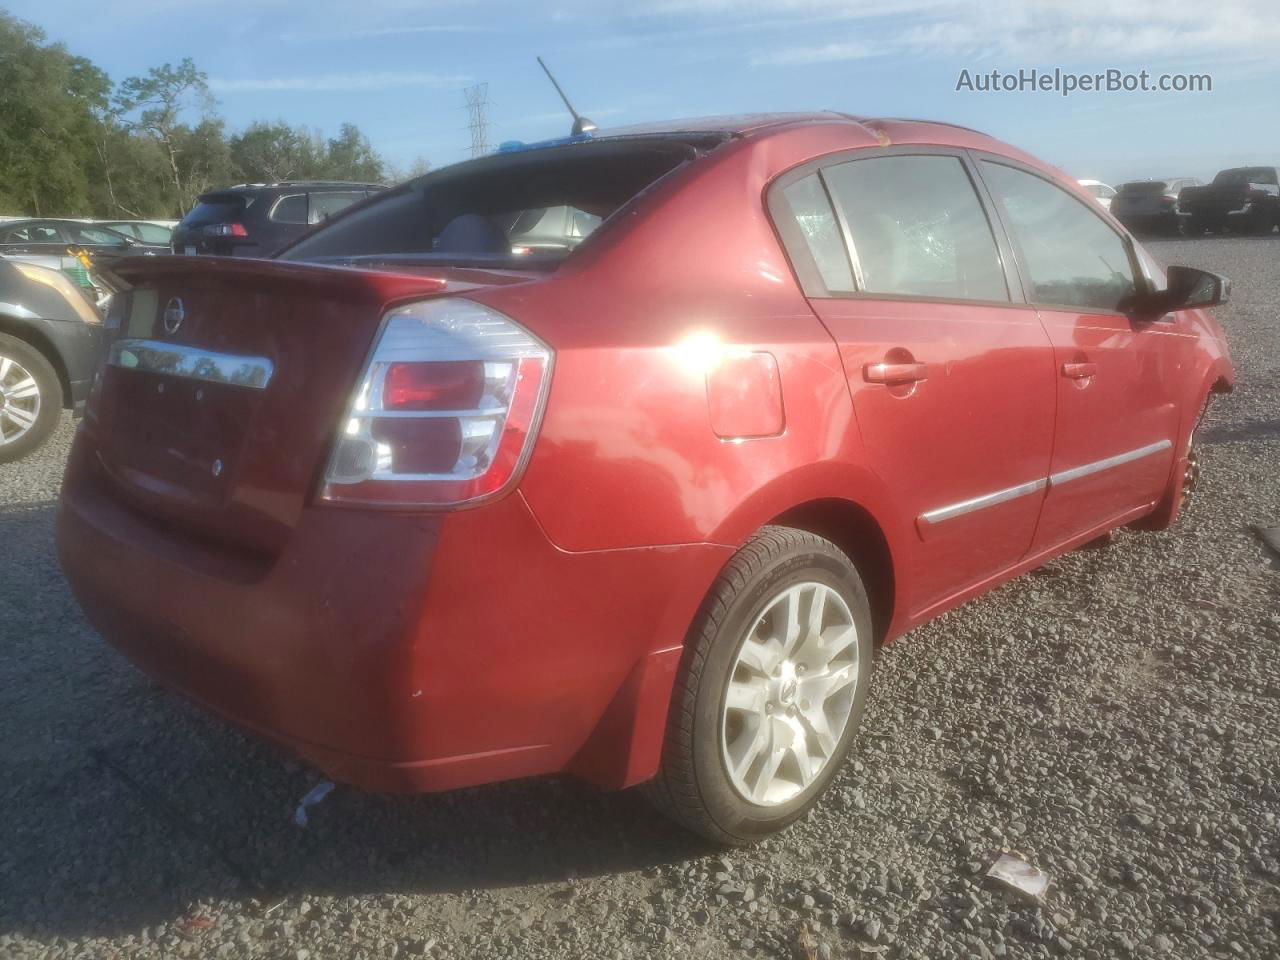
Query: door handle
{"x":895,"y":372}
{"x":1079,"y":371}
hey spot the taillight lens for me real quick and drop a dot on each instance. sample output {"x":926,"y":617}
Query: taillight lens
{"x":225,"y":230}
{"x":445,"y":411}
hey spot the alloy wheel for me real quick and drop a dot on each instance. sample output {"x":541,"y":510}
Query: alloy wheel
{"x":19,"y":400}
{"x":790,"y":693}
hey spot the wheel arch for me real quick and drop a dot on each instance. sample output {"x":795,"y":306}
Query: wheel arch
{"x":32,"y":335}
{"x":848,"y":505}
{"x":858,"y":534}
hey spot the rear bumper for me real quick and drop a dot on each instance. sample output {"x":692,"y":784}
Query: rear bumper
{"x":400,"y":652}
{"x":1148,"y":221}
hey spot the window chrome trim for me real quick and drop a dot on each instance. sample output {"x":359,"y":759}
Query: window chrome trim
{"x":986,"y":500}
{"x":1097,"y":466}
{"x":953,"y":510}
{"x":191,"y":363}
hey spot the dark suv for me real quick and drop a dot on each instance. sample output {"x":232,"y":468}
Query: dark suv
{"x":256,"y":219}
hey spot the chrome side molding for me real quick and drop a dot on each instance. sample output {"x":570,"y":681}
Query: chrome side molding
{"x":987,"y":500}
{"x":1084,"y":470}
{"x":926,"y":520}
{"x":191,"y":363}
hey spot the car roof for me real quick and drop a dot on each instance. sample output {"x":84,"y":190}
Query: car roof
{"x":75,"y":220}
{"x":742,"y":124}
{"x":291,"y":184}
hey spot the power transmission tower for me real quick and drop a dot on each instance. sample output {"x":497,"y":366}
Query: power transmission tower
{"x":477,"y":98}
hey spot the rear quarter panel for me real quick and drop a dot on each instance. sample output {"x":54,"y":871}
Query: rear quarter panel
{"x":626,"y":455}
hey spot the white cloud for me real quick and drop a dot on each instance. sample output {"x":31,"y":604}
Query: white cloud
{"x":336,"y":82}
{"x":1100,"y":31}
{"x":378,"y":33}
{"x":824,"y":53}
{"x":1103,"y":32}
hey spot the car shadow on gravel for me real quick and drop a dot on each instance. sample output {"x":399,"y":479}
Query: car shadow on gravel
{"x":1247,"y":431}
{"x":126,"y":807}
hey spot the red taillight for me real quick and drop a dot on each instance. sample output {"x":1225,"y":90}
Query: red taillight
{"x":225,"y":230}
{"x":445,"y":412}
{"x":434,"y":385}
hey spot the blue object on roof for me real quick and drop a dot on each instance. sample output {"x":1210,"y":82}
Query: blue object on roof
{"x":514,"y":146}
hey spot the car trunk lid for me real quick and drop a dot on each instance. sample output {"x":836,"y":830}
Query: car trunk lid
{"x":228,"y":379}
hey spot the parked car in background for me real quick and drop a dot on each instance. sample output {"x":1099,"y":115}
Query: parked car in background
{"x":47,"y":237}
{"x":1239,"y":200}
{"x":1151,"y":206}
{"x":639,"y":507}
{"x":51,"y":340}
{"x":1099,"y":191}
{"x":256,"y":219}
{"x":154,"y":232}
{"x":79,"y":248}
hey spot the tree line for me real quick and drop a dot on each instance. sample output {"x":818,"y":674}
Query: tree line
{"x":73,"y":143}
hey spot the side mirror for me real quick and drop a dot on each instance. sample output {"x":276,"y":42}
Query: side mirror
{"x":1188,"y":289}
{"x":1191,"y":288}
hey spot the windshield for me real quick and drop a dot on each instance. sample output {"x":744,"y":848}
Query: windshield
{"x":96,"y":235}
{"x":215,"y":209}
{"x":1142,"y":187}
{"x":529,"y":208}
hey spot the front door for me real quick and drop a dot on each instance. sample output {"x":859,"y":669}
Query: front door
{"x":1115,"y":377}
{"x":951,"y":377}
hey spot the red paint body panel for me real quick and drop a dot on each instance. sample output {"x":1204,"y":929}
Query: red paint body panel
{"x":744,"y":397}
{"x":1131,"y":402}
{"x":696,"y":395}
{"x":954,"y":435}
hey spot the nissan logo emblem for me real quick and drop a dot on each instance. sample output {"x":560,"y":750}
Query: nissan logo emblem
{"x":173,"y":315}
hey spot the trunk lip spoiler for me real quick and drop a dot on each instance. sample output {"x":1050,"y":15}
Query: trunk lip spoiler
{"x":191,"y":363}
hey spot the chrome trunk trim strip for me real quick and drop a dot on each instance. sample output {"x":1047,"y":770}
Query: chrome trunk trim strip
{"x":191,"y":363}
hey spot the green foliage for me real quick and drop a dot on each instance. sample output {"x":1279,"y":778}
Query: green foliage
{"x":48,"y":103}
{"x":71,"y":144}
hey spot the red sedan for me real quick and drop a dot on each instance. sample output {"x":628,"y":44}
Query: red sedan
{"x":620,"y":455}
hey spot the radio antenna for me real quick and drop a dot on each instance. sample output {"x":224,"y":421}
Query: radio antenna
{"x":581,"y":124}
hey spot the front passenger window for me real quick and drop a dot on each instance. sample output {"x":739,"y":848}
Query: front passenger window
{"x":1073,"y":257}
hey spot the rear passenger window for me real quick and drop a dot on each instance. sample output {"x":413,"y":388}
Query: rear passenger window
{"x":817,"y":221}
{"x":325,"y":205}
{"x":918,"y":228}
{"x":1072,"y":256}
{"x":291,"y":209}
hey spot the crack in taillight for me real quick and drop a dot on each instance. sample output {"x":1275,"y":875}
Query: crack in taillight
{"x":445,"y":411}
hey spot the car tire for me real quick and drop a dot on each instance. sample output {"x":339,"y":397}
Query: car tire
{"x":30,"y":399}
{"x":756,"y":709}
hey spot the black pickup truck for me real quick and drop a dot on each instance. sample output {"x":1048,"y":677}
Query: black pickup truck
{"x":1239,"y":200}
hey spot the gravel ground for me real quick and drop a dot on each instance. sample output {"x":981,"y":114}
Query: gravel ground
{"x":1115,"y":717}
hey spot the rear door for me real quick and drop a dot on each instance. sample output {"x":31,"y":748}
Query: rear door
{"x":951,"y":374}
{"x":1115,"y":377}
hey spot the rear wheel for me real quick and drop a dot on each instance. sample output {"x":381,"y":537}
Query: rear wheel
{"x":771,"y":689}
{"x":30,"y":398}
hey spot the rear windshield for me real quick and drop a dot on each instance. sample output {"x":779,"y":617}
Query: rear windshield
{"x":216,"y":209}
{"x":1247,"y":175}
{"x":1143,"y":188}
{"x":525,"y":209}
